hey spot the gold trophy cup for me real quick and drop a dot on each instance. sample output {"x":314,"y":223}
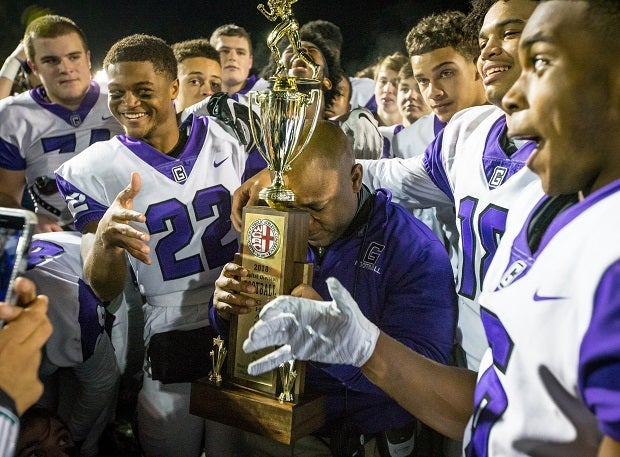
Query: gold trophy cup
{"x":274,"y":246}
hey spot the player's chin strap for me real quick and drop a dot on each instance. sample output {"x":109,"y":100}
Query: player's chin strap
{"x":234,"y":114}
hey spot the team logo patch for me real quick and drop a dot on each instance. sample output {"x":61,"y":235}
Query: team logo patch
{"x":498,"y":176}
{"x":263,"y":238}
{"x":178,"y":173}
{"x":76,"y":120}
{"x":371,"y":256}
{"x":512,"y":273}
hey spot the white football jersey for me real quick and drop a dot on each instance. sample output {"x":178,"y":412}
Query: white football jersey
{"x":552,"y":321}
{"x":76,"y":313}
{"x":464,"y":167}
{"x":413,"y":140}
{"x":363,"y":93}
{"x":253,"y":83}
{"x":388,"y":133}
{"x":37,"y":136}
{"x":186,"y":200}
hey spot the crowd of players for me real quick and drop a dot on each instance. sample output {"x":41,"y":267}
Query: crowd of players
{"x":500,"y":125}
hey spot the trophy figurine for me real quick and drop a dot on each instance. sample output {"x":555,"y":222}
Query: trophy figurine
{"x":218,"y":355}
{"x":288,"y":375}
{"x":273,"y":250}
{"x":282,"y":109}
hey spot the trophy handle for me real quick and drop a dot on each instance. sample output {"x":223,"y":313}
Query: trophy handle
{"x":316,"y":96}
{"x":255,"y":134}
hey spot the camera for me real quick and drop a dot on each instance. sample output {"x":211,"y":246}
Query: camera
{"x":16,"y":229}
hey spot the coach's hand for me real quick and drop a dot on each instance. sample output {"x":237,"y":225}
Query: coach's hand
{"x":331,"y":332}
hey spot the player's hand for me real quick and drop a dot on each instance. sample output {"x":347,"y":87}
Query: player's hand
{"x":331,"y":332}
{"x":46,"y":224}
{"x":19,"y":52}
{"x":25,"y":332}
{"x":247,"y":195}
{"x":115,"y":230}
{"x":227,"y":298}
{"x":362,"y":129}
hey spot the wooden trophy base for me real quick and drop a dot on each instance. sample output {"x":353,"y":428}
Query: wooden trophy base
{"x":273,"y":251}
{"x":254,"y":412}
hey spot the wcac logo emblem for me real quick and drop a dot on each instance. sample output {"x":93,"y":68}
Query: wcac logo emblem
{"x":263,"y":238}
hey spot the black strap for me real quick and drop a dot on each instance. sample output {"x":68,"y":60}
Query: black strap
{"x":546,"y":214}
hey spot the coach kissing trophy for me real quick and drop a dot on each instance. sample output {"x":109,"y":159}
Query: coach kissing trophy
{"x":274,"y":245}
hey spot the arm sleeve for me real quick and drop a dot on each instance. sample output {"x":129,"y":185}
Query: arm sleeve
{"x":10,"y":158}
{"x":599,"y":364}
{"x":9,"y":425}
{"x":416,"y":182}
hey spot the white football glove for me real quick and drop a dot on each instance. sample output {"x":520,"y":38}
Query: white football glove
{"x":363,"y":131}
{"x":330,"y":332}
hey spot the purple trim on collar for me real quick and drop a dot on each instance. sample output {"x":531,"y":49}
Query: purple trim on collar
{"x":575,"y":211}
{"x":249,"y":83}
{"x":520,"y":247}
{"x":498,"y":167}
{"x":73,"y":118}
{"x":438,"y":125}
{"x":165,"y":164}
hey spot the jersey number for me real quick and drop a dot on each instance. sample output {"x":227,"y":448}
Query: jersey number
{"x":67,"y":143}
{"x":491,"y":227}
{"x":213,"y":202}
{"x":490,"y":400}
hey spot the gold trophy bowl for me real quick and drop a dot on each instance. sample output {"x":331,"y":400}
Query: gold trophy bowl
{"x":281,"y":114}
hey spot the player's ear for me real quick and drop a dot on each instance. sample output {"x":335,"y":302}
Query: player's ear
{"x":357,"y":173}
{"x":327,"y":83}
{"x":174,"y":89}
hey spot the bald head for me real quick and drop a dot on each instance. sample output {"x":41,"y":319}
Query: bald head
{"x":328,"y":149}
{"x":326,"y":182}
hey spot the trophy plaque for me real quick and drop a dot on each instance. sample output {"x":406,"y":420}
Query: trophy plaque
{"x":274,"y":247}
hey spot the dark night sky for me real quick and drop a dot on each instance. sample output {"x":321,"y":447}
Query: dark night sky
{"x":369,"y":31}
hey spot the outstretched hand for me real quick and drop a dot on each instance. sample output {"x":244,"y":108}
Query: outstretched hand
{"x":114,"y":229}
{"x":324,"y":331}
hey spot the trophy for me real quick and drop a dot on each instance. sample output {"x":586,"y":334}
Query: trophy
{"x":274,"y":247}
{"x":218,"y":355}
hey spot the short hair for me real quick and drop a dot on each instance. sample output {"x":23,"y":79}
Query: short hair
{"x":231,"y":30}
{"x":329,"y":31}
{"x":50,"y":26}
{"x":199,"y":47}
{"x":392,"y":62}
{"x":475,"y":18}
{"x":332,"y":69}
{"x":367,"y":72}
{"x":331,"y":63}
{"x":406,"y":71}
{"x":602,"y":18}
{"x":442,"y":30}
{"x":143,"y":48}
